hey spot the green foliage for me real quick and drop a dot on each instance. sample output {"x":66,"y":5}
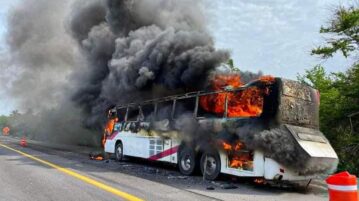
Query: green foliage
{"x":231,"y":66}
{"x":339,"y":91}
{"x":349,"y":151}
{"x":343,"y":33}
{"x":8,"y":121}
{"x":3,"y":121}
{"x":339,"y":97}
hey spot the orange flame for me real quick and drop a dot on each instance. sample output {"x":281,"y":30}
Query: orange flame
{"x":108,"y":130}
{"x":260,"y":181}
{"x":267,"y":79}
{"x":235,"y":147}
{"x":227,"y":146}
{"x":238,"y":146}
{"x":236,"y":164}
{"x":97,"y":157}
{"x":103,"y":140}
{"x":237,"y":160}
{"x":246,"y":103}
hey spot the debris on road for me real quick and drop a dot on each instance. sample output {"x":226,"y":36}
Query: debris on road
{"x":228,"y":186}
{"x":177,"y":177}
{"x":224,"y":185}
{"x":97,"y":157}
{"x":151,"y":170}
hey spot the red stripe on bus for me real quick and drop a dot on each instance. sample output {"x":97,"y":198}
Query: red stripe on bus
{"x":163,"y":154}
{"x":112,"y":136}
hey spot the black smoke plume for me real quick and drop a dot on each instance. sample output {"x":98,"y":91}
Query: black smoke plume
{"x":141,"y":50}
{"x":74,"y":58}
{"x":279,"y":144}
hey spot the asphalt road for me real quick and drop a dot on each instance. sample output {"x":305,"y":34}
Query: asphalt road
{"x":43,"y":172}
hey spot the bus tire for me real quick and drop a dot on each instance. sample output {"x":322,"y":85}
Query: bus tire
{"x":186,"y":161}
{"x":212,"y":163}
{"x":119,"y":151}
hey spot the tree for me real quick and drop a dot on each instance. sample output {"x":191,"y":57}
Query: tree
{"x":3,"y":121}
{"x":344,"y":33}
{"x":330,"y":96}
{"x":339,"y":91}
{"x":335,"y":106}
{"x":231,"y":66}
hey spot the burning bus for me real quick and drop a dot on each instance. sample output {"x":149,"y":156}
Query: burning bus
{"x":268,"y":128}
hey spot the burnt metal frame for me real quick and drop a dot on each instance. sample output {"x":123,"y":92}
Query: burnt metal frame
{"x":174,"y":99}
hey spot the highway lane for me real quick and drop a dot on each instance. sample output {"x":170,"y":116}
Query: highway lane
{"x":23,"y":178}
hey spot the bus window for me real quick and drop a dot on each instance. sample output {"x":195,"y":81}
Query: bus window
{"x":133,"y":114}
{"x":211,"y":106}
{"x":184,"y":107}
{"x":164,"y":110}
{"x":148,"y":112}
{"x":246,"y":103}
{"x":121,"y":113}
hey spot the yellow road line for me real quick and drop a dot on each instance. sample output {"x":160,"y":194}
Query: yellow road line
{"x":79,"y":176}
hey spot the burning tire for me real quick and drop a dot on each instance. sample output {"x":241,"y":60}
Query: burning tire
{"x":119,"y":152}
{"x":186,"y":161}
{"x":210,"y":165}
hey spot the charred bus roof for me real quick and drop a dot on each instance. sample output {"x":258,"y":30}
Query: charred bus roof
{"x":228,"y":89}
{"x":288,"y":102}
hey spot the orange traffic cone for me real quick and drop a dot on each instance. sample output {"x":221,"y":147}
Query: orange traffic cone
{"x":342,"y":187}
{"x":23,"y":142}
{"x":6,"y":131}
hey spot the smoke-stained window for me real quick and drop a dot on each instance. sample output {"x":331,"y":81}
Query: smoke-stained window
{"x":164,"y":110}
{"x":121,"y":113}
{"x":148,"y":112}
{"x":184,"y":107}
{"x":133,"y":114}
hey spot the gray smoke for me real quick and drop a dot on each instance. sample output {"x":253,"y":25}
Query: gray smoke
{"x":141,"y":50}
{"x":73,"y":59}
{"x":279,"y":144}
{"x":42,"y":57}
{"x":247,"y":76}
{"x":41,"y":52}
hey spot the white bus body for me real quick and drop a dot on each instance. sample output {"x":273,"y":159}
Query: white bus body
{"x":157,"y":148}
{"x":291,"y":107}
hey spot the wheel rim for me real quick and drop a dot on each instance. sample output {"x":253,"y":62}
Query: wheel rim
{"x":210,"y":165}
{"x":186,"y":162}
{"x":118,"y":152}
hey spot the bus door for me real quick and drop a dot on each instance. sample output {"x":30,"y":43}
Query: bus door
{"x":134,"y":144}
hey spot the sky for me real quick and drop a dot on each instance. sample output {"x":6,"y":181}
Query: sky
{"x":274,"y":37}
{"x":6,"y":105}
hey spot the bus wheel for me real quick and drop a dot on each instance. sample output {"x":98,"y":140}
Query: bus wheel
{"x":186,"y":161}
{"x":210,"y":165}
{"x":119,"y":152}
